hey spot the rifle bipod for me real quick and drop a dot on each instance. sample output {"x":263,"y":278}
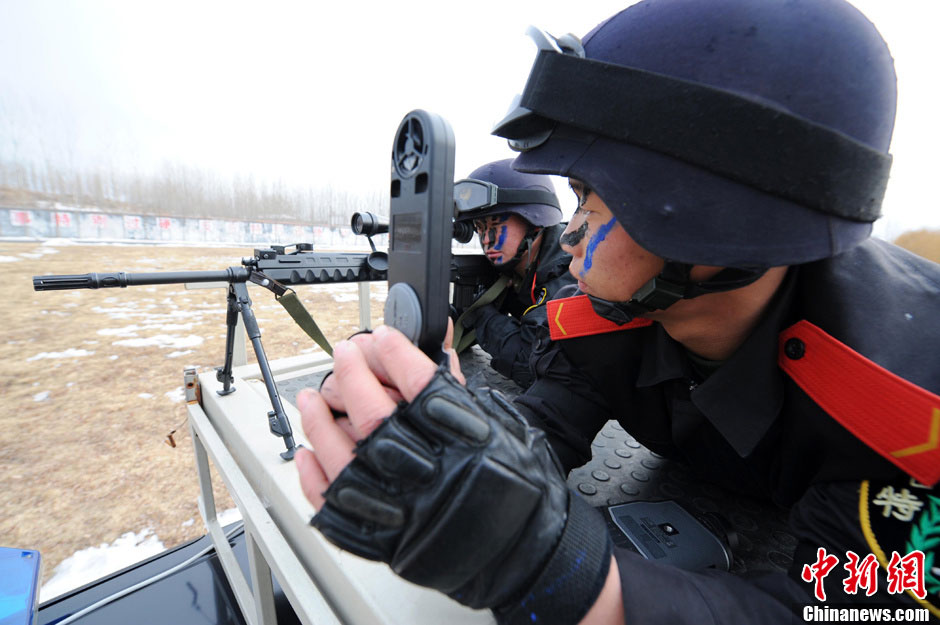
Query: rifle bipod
{"x":240,"y":303}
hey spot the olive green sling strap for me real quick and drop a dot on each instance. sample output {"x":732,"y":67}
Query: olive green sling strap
{"x":299,"y":314}
{"x":464,"y":338}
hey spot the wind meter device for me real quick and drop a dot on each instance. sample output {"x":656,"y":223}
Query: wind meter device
{"x":421,"y":224}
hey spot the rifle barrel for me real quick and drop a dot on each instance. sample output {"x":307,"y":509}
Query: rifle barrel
{"x":122,"y":279}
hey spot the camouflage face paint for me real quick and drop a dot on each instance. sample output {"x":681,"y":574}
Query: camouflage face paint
{"x":487,"y":237}
{"x":490,"y":236}
{"x":598,"y":237}
{"x":571,"y":239}
{"x":502,"y":238}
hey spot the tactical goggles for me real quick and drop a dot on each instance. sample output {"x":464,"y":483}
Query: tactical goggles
{"x":475,"y":195}
{"x":714,"y":129}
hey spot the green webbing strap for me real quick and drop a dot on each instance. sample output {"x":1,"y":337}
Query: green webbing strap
{"x":296,"y":310}
{"x":464,"y":338}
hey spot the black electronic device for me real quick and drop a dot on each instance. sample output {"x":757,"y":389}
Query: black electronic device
{"x":420,"y":229}
{"x":667,"y":532}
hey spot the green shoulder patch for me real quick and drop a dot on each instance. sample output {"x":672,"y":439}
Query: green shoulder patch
{"x":900,"y":518}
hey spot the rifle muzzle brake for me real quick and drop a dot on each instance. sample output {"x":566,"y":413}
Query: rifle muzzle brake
{"x":80,"y":281}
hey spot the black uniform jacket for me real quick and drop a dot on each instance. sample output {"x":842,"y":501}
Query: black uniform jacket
{"x":750,"y":428}
{"x":508,"y":333}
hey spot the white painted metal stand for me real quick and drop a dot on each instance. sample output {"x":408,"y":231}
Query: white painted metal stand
{"x":266,"y":545}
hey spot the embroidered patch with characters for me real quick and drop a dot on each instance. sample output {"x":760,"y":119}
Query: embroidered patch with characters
{"x":901,"y":523}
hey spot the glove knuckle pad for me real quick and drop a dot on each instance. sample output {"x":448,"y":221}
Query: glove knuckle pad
{"x":456,"y":419}
{"x":368,"y":507}
{"x":508,"y":415}
{"x":489,"y":499}
{"x":392,"y":457}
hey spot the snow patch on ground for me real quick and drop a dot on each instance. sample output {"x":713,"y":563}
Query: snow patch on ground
{"x":349,"y":292}
{"x":69,"y":353}
{"x":92,"y":563}
{"x":130,"y":330}
{"x":87,"y":565}
{"x":344,"y":292}
{"x":163,"y":340}
{"x":176,"y":395}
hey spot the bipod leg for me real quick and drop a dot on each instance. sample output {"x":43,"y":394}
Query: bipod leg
{"x":224,"y":373}
{"x":277,"y":418}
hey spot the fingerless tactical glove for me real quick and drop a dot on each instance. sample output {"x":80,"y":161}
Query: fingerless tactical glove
{"x":455,"y":491}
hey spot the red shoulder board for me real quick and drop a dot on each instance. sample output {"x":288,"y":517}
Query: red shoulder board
{"x":898,"y":419}
{"x":571,"y":317}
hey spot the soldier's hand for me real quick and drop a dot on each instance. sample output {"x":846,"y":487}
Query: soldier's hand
{"x":372,"y":372}
{"x":452,"y":489}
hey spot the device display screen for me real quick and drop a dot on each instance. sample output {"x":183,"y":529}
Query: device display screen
{"x":406,"y":232}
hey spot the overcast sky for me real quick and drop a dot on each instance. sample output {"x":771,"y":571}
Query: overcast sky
{"x":311,"y":92}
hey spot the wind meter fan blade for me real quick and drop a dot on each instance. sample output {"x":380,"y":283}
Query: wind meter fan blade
{"x":420,"y":230}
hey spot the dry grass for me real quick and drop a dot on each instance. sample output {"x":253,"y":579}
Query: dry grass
{"x":82,"y":452}
{"x":922,"y":242}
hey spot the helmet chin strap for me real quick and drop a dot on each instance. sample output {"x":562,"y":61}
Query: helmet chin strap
{"x":524,"y":246}
{"x":671,"y":285}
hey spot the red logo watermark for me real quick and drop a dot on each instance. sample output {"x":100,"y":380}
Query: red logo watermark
{"x":904,"y":573}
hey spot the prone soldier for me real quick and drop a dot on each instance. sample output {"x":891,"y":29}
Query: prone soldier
{"x":518,"y":220}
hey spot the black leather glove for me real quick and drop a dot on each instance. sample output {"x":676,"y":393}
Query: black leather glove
{"x":456,"y":492}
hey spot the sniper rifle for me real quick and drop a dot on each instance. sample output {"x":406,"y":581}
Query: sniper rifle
{"x":277,"y":268}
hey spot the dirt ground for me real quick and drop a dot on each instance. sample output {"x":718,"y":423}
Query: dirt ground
{"x":91,"y":384}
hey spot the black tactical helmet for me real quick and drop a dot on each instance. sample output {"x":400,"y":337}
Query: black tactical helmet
{"x":736,"y":133}
{"x":496,"y":189}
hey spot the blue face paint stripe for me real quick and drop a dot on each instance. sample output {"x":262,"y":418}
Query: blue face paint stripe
{"x":599,"y":236}
{"x":502,"y":238}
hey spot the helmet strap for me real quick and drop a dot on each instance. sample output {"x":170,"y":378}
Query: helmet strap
{"x":524,"y":246}
{"x":671,"y":285}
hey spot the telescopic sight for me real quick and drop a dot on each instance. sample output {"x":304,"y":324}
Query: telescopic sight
{"x":368,"y":224}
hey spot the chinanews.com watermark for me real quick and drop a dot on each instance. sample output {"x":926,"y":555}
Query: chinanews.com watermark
{"x":824,"y":614}
{"x":904,"y":573}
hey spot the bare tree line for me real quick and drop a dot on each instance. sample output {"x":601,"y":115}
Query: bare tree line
{"x":180,"y":191}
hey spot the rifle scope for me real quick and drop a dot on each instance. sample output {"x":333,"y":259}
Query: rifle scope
{"x":368,"y":224}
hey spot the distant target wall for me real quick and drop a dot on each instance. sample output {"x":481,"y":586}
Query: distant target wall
{"x":98,"y":226}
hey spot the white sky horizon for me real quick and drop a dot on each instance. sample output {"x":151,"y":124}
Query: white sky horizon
{"x":310,"y":94}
